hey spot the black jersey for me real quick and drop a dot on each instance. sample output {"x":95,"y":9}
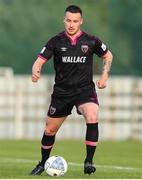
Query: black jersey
{"x":73,"y":60}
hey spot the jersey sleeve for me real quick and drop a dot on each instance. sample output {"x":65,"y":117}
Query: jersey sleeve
{"x":47,"y":51}
{"x":99,"y":47}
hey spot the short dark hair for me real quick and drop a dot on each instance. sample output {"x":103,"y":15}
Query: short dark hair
{"x":73,"y":9}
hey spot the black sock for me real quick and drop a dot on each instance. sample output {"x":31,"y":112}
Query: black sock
{"x":46,"y":146}
{"x":91,"y":141}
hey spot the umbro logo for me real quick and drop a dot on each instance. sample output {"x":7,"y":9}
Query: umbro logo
{"x":63,"y":48}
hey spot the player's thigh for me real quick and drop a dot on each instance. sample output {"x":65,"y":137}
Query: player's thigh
{"x":90,"y":111}
{"x":53,"y":124}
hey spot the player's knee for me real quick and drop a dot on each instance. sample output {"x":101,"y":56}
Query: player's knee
{"x":50,"y":131}
{"x":91,"y":118}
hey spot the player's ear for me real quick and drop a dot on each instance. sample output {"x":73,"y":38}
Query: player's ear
{"x":81,"y":21}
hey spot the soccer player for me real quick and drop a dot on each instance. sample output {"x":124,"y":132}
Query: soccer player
{"x":73,"y":52}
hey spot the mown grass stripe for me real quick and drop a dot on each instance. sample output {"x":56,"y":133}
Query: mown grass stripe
{"x":124,"y":168}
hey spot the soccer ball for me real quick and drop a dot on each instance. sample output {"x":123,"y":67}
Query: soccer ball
{"x":56,"y":166}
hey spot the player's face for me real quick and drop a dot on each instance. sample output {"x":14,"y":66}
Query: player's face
{"x":72,"y":22}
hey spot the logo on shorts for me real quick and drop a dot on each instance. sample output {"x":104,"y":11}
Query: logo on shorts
{"x":84,"y":48}
{"x":52,"y":110}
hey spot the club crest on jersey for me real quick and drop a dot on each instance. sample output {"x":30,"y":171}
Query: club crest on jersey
{"x":52,"y":110}
{"x":84,"y":48}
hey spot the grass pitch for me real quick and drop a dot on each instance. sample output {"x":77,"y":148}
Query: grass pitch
{"x":114,"y":160}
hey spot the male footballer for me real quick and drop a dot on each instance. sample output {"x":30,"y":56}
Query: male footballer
{"x":72,"y":51}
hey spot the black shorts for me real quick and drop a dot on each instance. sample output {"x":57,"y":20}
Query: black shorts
{"x":62,"y":106}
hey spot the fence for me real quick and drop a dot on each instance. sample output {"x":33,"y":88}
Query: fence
{"x":23,"y":107}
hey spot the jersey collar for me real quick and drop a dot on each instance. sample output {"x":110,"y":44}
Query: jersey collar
{"x":74,"y":40}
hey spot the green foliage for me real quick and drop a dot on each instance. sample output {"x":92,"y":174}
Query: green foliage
{"x":27,"y":25}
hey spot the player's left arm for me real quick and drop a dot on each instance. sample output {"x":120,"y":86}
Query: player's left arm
{"x":107,"y":61}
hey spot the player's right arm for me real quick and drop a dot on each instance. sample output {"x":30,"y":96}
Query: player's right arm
{"x":45,"y":54}
{"x":36,"y":69}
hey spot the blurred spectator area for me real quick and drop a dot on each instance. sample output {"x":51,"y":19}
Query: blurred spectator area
{"x":23,"y":108}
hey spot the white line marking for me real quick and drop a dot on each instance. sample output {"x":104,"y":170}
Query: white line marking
{"x":18,"y":160}
{"x":109,"y":167}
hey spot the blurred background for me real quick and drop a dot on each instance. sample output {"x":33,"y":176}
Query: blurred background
{"x":25,"y":27}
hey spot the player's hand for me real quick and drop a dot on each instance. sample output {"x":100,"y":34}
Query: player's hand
{"x":101,"y":83}
{"x":35,"y":76}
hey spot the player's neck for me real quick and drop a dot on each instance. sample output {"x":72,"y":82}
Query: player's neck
{"x":74,"y":36}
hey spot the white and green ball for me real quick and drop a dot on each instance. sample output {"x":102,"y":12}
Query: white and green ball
{"x":56,"y":166}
